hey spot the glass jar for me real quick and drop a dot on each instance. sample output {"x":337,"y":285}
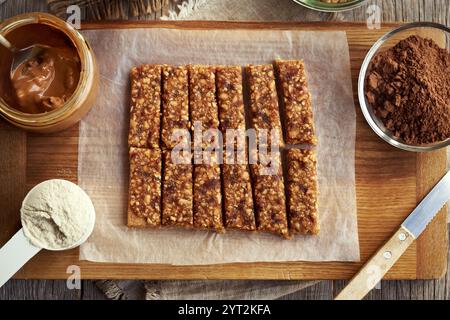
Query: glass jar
{"x":82,"y":98}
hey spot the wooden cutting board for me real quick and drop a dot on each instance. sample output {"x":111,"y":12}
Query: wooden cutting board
{"x":390,"y":183}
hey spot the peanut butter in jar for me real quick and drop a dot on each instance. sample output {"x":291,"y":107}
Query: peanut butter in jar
{"x":45,"y":82}
{"x":53,"y":90}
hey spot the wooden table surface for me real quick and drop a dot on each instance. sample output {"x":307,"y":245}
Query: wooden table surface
{"x":392,"y":10}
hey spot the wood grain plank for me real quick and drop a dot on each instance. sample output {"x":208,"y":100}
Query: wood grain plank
{"x":388,"y":290}
{"x":60,"y":161}
{"x":410,"y":10}
{"x":439,"y":288}
{"x":12,"y":8}
{"x":323,"y":290}
{"x":402,"y":10}
{"x":423,"y":290}
{"x":357,"y":30}
{"x":417,"y":290}
{"x":38,"y":290}
{"x":431,"y":247}
{"x":390,"y":11}
{"x":428,"y":289}
{"x":299,"y":295}
{"x":13,"y":143}
{"x":403,"y":290}
{"x":428,"y":9}
{"x":91,"y":292}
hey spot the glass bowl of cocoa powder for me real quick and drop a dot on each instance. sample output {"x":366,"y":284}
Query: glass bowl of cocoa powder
{"x":404,"y":87}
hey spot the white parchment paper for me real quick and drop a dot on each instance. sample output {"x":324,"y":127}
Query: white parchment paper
{"x":103,"y":163}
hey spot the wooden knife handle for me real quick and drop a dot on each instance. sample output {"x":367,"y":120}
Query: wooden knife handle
{"x":374,"y":270}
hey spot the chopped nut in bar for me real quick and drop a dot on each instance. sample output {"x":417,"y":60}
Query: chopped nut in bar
{"x":264,"y":110}
{"x":177,"y":193}
{"x":207,"y":194}
{"x":175,"y":98}
{"x":238,"y":198}
{"x":144,"y":208}
{"x":298,"y":111}
{"x":145,"y":113}
{"x":270,"y":201}
{"x":203,"y":105}
{"x":302,"y":191}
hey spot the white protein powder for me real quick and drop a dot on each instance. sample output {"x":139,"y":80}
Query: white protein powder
{"x":56,"y":214}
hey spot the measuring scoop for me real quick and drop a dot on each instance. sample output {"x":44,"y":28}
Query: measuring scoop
{"x":19,"y":249}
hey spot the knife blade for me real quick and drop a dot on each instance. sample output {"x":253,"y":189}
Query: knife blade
{"x":428,"y":207}
{"x":378,"y":265}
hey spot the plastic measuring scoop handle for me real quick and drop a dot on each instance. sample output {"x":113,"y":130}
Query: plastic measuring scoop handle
{"x":14,"y":254}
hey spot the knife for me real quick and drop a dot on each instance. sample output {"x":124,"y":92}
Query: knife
{"x":374,"y":270}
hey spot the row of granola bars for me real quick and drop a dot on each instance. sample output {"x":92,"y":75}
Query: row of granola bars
{"x":212,"y":195}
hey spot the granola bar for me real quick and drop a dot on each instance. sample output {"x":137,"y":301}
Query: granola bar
{"x":203,"y":105}
{"x":238,"y":199}
{"x":297,"y":102}
{"x":302,"y":190}
{"x":270,"y":201}
{"x":144,"y":206}
{"x":264,"y":109}
{"x":145,"y":107}
{"x":175,"y":105}
{"x":177,"y":193}
{"x":230,"y":99}
{"x":207,"y":194}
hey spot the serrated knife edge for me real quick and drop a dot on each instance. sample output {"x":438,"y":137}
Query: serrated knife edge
{"x":427,"y":209}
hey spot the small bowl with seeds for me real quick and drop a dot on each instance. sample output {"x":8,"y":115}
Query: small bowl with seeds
{"x":404,"y":87}
{"x":330,"y":5}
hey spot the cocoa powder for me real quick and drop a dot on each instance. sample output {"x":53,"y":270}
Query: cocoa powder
{"x":408,"y":87}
